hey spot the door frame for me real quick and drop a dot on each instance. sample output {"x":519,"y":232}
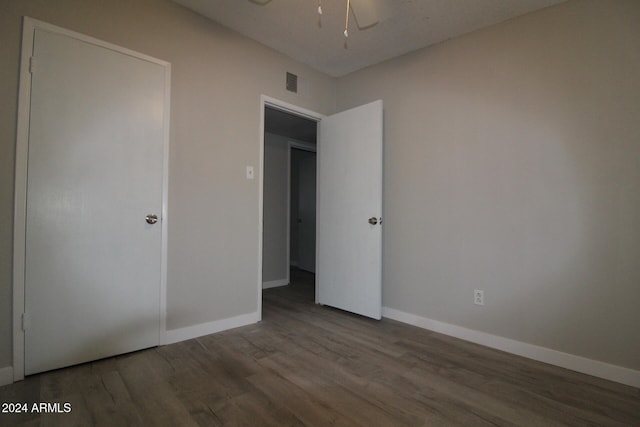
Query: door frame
{"x":20,"y":185}
{"x":302,"y":146}
{"x":267,"y":101}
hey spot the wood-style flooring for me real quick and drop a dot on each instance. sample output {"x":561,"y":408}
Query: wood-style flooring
{"x":306,"y":365}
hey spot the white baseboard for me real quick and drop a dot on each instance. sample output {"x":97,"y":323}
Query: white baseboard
{"x":195,"y":331}
{"x":6,"y":375}
{"x":275,"y":283}
{"x":564,"y":360}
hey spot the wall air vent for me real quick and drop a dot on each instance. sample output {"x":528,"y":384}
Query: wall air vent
{"x":292,"y":83}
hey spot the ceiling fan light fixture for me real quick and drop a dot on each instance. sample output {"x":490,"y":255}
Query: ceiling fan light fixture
{"x":346,"y":20}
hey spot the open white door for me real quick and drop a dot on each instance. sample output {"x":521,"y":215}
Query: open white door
{"x":349,"y":267}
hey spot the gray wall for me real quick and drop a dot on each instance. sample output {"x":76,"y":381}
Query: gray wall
{"x":215,"y":110}
{"x":512,"y":165}
{"x":275,"y":265}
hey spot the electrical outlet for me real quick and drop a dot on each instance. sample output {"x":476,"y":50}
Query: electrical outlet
{"x":478,"y":297}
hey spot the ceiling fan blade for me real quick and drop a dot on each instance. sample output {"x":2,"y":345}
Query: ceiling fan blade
{"x":365,"y":12}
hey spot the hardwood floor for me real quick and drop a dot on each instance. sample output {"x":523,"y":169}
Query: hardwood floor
{"x":306,"y":365}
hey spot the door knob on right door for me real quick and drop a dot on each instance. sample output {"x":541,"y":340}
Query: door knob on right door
{"x":373,"y":220}
{"x":151,"y":218}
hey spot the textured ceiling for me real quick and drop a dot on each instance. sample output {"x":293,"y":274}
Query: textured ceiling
{"x":294,"y":27}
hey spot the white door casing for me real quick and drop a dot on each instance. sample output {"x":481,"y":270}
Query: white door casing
{"x":96,"y":149}
{"x":349,"y":264}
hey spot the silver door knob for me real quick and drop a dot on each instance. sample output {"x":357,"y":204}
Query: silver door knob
{"x":151,"y":218}
{"x":373,"y":220}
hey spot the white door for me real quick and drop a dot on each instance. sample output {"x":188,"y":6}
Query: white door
{"x":95,"y":171}
{"x":349,"y":268}
{"x":307,"y":211}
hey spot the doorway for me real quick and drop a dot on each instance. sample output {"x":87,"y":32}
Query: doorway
{"x":289,"y":199}
{"x":302,"y":212}
{"x":349,"y":206}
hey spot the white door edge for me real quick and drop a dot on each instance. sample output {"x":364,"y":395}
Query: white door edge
{"x":267,"y":101}
{"x":20,"y":189}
